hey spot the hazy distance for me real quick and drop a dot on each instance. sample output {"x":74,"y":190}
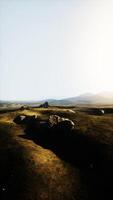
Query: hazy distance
{"x":55,"y":48}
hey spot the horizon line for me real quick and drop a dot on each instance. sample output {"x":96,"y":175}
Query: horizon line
{"x":53,"y":98}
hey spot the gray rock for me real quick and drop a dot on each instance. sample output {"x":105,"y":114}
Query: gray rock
{"x":61,"y":122}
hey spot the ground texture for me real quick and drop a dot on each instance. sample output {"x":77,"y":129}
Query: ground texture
{"x":29,"y":170}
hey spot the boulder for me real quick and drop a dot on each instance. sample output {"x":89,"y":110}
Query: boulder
{"x":61,"y":122}
{"x":102,"y":111}
{"x":25,"y":119}
{"x":20,"y":119}
{"x":44,"y":105}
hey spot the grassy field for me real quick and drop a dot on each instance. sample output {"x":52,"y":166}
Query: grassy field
{"x":78,"y":167}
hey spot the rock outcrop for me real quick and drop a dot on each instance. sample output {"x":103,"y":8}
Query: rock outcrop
{"x":62,"y":122}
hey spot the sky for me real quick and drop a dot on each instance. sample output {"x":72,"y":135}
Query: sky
{"x":55,"y":48}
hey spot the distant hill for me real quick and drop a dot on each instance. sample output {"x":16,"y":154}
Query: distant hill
{"x":105,"y":98}
{"x":100,"y":98}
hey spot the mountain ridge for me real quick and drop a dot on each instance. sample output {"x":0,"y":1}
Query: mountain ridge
{"x":86,"y":98}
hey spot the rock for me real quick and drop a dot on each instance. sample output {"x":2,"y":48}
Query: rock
{"x":44,"y":105}
{"x":102,"y":111}
{"x":25,"y":119}
{"x":61,"y":122}
{"x":19,"y":119}
{"x":54,"y":119}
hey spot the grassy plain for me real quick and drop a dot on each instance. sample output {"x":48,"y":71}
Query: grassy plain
{"x":82,"y":170}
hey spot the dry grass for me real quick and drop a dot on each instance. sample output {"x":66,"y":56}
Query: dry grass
{"x":31,"y":172}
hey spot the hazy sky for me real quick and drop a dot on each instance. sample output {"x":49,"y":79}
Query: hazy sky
{"x":55,"y":48}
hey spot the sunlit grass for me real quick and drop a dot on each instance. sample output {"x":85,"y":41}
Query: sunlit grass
{"x":40,"y":169}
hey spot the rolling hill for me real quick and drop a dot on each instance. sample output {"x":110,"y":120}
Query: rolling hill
{"x":100,"y":98}
{"x":103,"y":98}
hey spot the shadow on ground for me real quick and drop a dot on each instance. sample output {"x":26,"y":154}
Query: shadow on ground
{"x":83,"y":151}
{"x":70,"y":145}
{"x":80,"y":150}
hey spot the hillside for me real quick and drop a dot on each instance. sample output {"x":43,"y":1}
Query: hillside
{"x":100,"y":98}
{"x":40,"y":166}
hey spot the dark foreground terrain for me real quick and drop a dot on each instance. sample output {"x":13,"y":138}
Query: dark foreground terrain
{"x":50,"y":165}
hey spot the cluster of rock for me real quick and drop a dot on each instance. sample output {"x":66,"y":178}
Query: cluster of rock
{"x":54,"y":121}
{"x":25,"y":119}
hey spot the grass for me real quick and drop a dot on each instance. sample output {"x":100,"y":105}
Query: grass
{"x":29,"y":170}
